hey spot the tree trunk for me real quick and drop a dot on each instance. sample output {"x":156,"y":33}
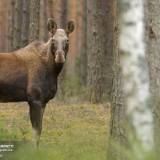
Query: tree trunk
{"x":117,"y":120}
{"x":11,"y":25}
{"x":60,"y":12}
{"x":34,"y":20}
{"x":43,"y":34}
{"x":153,"y":51}
{"x":83,"y":47}
{"x":135,"y":70}
{"x":63,"y":15}
{"x":100,"y":48}
{"x":49,"y":7}
{"x":25,"y":23}
{"x":17,"y":24}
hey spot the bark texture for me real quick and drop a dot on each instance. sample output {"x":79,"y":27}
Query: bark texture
{"x":11,"y":25}
{"x":60,"y":12}
{"x":83,"y":46}
{"x":135,"y":70}
{"x":34,"y":20}
{"x":100,"y":48}
{"x":25,"y":23}
{"x":153,"y":56}
{"x":17,"y":24}
{"x":43,"y":33}
{"x":117,"y":122}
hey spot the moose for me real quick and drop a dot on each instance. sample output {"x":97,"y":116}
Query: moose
{"x":30,"y":73}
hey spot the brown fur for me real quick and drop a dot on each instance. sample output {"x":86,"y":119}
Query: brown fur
{"x":25,"y":69}
{"x":30,"y":74}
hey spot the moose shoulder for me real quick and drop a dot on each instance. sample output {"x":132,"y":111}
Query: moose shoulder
{"x":30,"y":74}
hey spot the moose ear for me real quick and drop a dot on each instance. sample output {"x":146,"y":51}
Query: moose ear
{"x":51,"y":25}
{"x":70,"y":27}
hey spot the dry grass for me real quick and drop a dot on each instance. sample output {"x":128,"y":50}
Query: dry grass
{"x":66,"y":127}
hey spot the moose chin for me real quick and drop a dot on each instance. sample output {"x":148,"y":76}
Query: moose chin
{"x":30,"y":73}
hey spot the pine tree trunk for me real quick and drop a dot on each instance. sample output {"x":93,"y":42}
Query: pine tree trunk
{"x":34,"y":20}
{"x":117,"y":121}
{"x":43,"y":34}
{"x":153,"y":56}
{"x":60,"y":12}
{"x":49,"y":7}
{"x":100,"y":48}
{"x":17,"y":24}
{"x":25,"y":23}
{"x":11,"y":25}
{"x":83,"y":47}
{"x":63,"y":16}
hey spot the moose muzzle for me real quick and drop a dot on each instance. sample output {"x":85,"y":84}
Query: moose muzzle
{"x":60,"y":56}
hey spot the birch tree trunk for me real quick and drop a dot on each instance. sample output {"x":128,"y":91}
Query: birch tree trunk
{"x":135,"y":70}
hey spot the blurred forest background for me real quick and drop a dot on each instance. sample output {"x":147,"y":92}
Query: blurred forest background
{"x":103,"y":108}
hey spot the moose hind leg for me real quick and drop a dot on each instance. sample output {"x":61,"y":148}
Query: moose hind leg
{"x":36,"y":116}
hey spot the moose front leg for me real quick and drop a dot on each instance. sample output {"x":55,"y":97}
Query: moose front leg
{"x":36,"y":117}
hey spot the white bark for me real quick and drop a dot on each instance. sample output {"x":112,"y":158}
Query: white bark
{"x":135,"y":70}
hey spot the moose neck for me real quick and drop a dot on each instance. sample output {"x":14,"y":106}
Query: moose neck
{"x":57,"y":68}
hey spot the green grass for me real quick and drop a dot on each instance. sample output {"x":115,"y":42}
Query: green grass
{"x":70,"y":131}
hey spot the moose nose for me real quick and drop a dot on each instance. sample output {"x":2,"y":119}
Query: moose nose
{"x":60,"y":56}
{"x":58,"y":52}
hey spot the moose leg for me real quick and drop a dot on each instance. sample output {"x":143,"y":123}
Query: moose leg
{"x":36,"y":116}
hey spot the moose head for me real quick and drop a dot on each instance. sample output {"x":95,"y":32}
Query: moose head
{"x":59,"y":40}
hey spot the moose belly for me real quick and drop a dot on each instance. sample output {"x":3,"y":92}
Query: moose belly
{"x":13,"y":76}
{"x":13,"y":89}
{"x":9,"y":93}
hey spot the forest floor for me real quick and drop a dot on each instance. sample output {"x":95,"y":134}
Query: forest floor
{"x":70,"y":131}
